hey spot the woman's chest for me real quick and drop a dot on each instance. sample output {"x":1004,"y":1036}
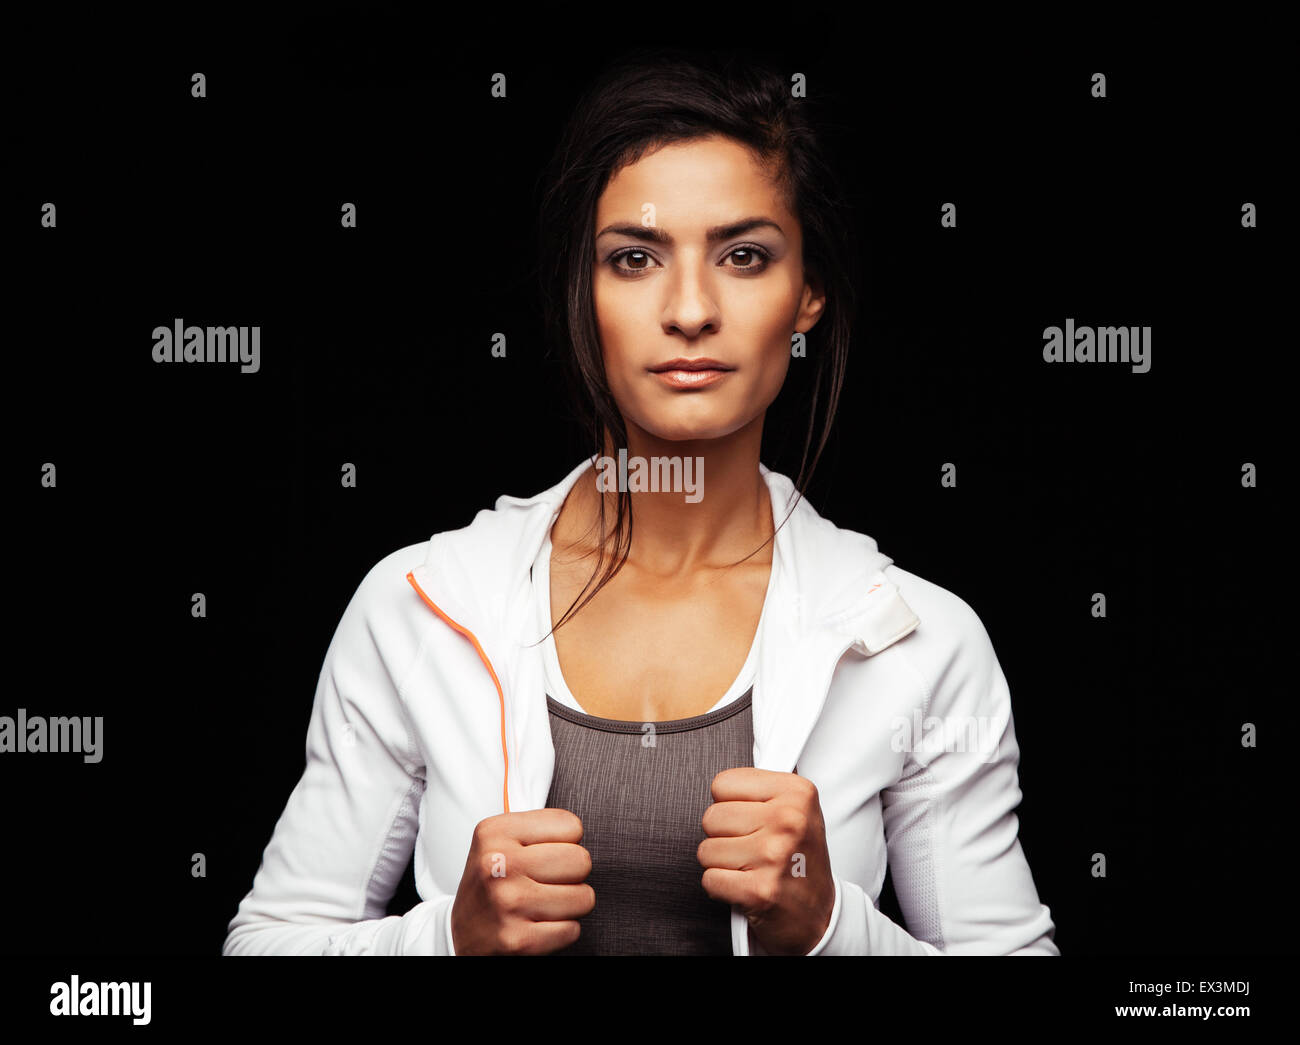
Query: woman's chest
{"x":649,"y":651}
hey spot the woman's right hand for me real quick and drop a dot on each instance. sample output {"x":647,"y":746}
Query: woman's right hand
{"x":524,"y":885}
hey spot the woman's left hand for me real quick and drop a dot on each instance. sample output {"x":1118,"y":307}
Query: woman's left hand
{"x":766,"y":853}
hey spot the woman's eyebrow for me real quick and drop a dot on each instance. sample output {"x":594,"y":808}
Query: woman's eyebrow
{"x":653,"y":234}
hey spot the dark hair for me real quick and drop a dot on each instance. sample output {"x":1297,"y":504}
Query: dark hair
{"x":652,"y":98}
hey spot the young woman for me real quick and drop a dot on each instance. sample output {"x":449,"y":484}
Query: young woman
{"x":679,"y":716}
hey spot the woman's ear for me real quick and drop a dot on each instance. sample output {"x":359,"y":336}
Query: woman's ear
{"x":812,"y":303}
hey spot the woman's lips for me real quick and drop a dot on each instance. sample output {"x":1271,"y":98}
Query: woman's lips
{"x":690,"y":373}
{"x":690,"y":378}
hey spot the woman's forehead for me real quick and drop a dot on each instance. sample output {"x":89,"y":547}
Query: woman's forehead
{"x":699,"y":183}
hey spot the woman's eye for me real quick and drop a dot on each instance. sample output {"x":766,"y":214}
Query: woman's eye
{"x":642,"y":260}
{"x":750,"y":259}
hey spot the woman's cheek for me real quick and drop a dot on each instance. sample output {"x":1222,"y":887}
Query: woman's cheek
{"x":773,"y":359}
{"x":617,"y":332}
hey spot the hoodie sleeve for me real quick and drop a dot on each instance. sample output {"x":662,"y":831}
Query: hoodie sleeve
{"x":348,"y":830}
{"x":961,"y":878}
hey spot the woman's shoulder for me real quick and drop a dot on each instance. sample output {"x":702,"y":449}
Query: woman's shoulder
{"x":942,"y":607}
{"x":382,"y":596}
{"x":389,"y":571}
{"x":950,"y":647}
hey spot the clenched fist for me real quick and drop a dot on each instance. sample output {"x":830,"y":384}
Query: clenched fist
{"x":523,"y":887}
{"x":766,"y":853}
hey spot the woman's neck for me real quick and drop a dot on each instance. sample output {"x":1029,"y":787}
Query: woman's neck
{"x":718,"y":511}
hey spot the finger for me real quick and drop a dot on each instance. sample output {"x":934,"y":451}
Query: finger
{"x":734,"y":818}
{"x":735,"y":854}
{"x":550,"y":903}
{"x":544,"y":825}
{"x":547,"y":937}
{"x":747,"y":784}
{"x":554,"y":863}
{"x":729,"y":886}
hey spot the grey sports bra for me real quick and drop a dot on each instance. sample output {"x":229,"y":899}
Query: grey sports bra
{"x":641,"y":790}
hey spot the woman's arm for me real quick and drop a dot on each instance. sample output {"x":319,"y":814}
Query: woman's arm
{"x":960,"y":875}
{"x":348,"y":830}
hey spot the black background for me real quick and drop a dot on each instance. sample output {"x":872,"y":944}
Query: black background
{"x":1072,"y":479}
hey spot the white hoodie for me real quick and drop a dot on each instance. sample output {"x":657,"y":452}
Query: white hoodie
{"x":430,"y":715}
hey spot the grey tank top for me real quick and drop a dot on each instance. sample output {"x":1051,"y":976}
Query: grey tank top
{"x":641,"y":805}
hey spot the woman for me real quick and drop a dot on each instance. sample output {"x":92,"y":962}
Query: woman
{"x":737,"y":713}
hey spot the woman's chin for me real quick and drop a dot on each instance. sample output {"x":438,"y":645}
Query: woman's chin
{"x":690,"y":433}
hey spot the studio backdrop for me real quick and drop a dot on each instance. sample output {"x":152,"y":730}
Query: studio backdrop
{"x":1064,"y":404}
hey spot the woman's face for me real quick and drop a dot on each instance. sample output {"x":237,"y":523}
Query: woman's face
{"x":683,"y":272}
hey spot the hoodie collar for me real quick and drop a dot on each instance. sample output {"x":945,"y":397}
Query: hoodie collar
{"x":830,"y":578}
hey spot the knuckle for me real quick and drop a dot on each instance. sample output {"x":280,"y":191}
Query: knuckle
{"x":512,"y":938}
{"x":507,"y":896}
{"x":758,"y":896}
{"x":793,"y":820}
{"x":706,"y":882}
{"x":489,"y":860}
